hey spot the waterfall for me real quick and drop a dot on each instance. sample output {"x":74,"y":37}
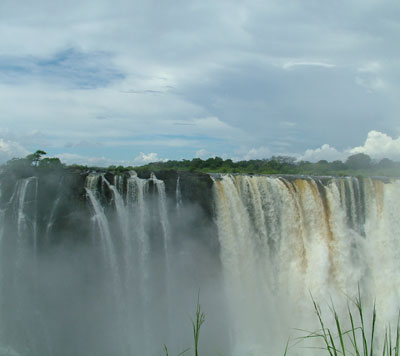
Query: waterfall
{"x":19,"y":227}
{"x":178,"y":193}
{"x":284,"y":238}
{"x":123,"y":223}
{"x":100,"y":218}
{"x":166,"y":234}
{"x":111,"y":264}
{"x":26,"y":222}
{"x":163,"y":211}
{"x":57,"y":201}
{"x":137,"y":200}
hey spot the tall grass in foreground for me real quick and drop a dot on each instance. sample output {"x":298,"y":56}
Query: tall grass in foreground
{"x":359,"y":339}
{"x":200,"y":317}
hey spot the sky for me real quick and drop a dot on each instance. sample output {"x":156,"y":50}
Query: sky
{"x":127,"y":82}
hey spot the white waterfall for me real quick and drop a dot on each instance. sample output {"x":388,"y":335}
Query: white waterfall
{"x":178,"y":194}
{"x":123,"y":223}
{"x":283,"y":239}
{"x":57,"y":201}
{"x":137,"y":191}
{"x":127,"y":256}
{"x":106,"y":239}
{"x":163,"y":211}
{"x":129,"y":251}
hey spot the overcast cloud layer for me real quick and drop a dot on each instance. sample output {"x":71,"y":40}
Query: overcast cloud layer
{"x":109,"y":82}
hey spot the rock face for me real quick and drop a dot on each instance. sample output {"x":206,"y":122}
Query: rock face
{"x":86,"y":253}
{"x":62,"y":198}
{"x":99,"y":263}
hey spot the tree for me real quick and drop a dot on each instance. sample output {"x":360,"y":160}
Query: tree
{"x":284,"y":159}
{"x":386,"y":163}
{"x":338,"y":165}
{"x":34,"y":158}
{"x":50,"y":163}
{"x":195,"y":164}
{"x":358,"y":161}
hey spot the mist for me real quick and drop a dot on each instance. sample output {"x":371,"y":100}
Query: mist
{"x":97,"y":263}
{"x":81,"y":281}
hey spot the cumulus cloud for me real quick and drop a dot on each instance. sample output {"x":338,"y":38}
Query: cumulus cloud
{"x":378,"y":145}
{"x":11,"y":149}
{"x":253,"y":153}
{"x":72,"y":158}
{"x":325,"y":152}
{"x":144,"y":158}
{"x":203,"y":153}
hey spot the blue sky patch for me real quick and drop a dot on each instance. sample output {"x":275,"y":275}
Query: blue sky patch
{"x":71,"y":68}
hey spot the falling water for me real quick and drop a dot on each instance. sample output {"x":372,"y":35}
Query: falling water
{"x":163,"y":211}
{"x":279,"y":239}
{"x":50,"y":222}
{"x":178,"y":194}
{"x":284,"y":238}
{"x":123,"y":223}
{"x":99,"y":216}
{"x":137,"y":192}
{"x":19,"y":269}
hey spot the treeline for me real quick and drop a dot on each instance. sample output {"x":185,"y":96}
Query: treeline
{"x":357,"y":164}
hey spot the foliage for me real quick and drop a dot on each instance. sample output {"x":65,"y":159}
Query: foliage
{"x":196,"y":324}
{"x":356,"y":165}
{"x":50,"y":163}
{"x":34,"y":163}
{"x":359,"y":161}
{"x":359,"y":339}
{"x":35,"y":157}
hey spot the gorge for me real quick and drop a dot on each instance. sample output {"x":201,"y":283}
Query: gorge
{"x":96,"y":263}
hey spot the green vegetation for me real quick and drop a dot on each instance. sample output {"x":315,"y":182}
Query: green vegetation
{"x":356,"y":165}
{"x":35,"y":160}
{"x":360,"y":339}
{"x":34,"y":163}
{"x":200,"y":317}
{"x":196,"y":324}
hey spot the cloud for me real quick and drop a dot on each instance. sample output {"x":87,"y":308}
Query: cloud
{"x":203,"y":153}
{"x":71,"y":68}
{"x":325,"y":152}
{"x":292,"y":64}
{"x":370,"y":67}
{"x":371,"y":83}
{"x":210,"y":126}
{"x":183,"y":76}
{"x":72,"y":158}
{"x":11,"y":149}
{"x":253,"y":153}
{"x":144,"y":158}
{"x":379,"y":145}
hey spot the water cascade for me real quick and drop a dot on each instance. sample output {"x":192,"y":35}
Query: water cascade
{"x":284,"y":238}
{"x":95,"y":263}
